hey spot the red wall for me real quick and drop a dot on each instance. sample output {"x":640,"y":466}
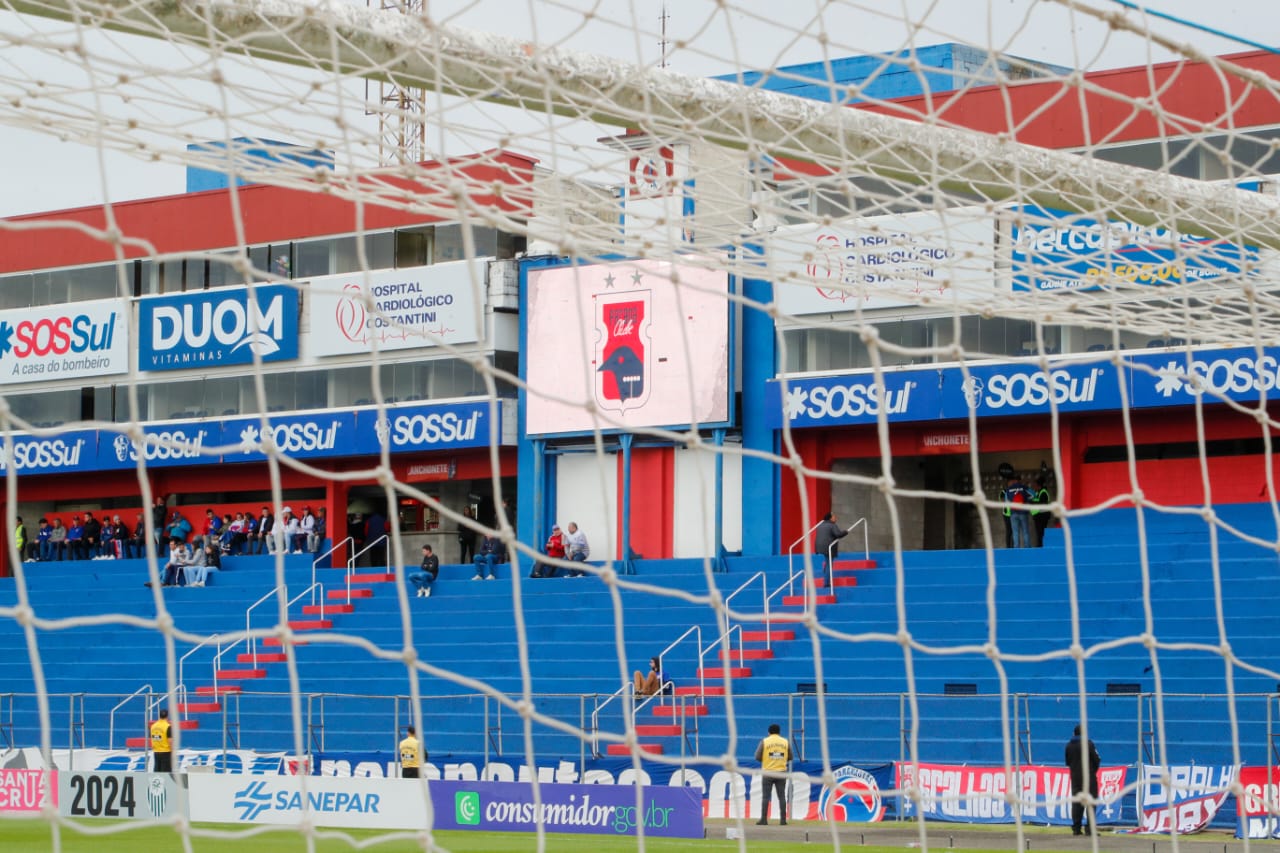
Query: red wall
{"x":652,"y":501}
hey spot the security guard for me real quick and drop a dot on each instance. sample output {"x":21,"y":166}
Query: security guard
{"x":774,"y":754}
{"x":162,"y":744}
{"x":411,"y":755}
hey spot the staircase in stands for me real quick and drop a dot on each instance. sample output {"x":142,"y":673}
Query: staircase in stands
{"x":844,"y":574}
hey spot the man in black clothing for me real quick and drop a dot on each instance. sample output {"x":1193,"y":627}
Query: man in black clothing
{"x":92,"y":537}
{"x":1084,"y":765}
{"x":824,"y":541}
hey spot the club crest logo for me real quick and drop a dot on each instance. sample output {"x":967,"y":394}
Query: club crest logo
{"x":623,"y":372}
{"x":854,"y":798}
{"x":157,"y":797}
{"x":121,"y":447}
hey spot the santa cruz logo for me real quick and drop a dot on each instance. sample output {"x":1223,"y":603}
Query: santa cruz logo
{"x":291,"y":438}
{"x":623,"y":373}
{"x":856,"y":399}
{"x":854,"y":798}
{"x":1218,"y":376}
{"x":1013,"y":391}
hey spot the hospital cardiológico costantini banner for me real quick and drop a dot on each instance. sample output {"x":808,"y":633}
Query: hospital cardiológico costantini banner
{"x":69,"y":341}
{"x":411,"y":308}
{"x":630,"y":344}
{"x":219,"y":327}
{"x":883,"y":262}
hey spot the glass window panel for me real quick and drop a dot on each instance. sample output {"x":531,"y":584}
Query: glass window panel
{"x":17,"y":291}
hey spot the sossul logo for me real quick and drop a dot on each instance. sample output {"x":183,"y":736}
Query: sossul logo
{"x":232,"y":322}
{"x":435,"y":428}
{"x":161,"y":445}
{"x":291,"y":438}
{"x":56,"y":336}
{"x":1031,"y":389}
{"x":856,"y":399}
{"x":43,"y":453}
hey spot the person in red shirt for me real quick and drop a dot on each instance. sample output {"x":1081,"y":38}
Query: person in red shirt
{"x":553,"y":548}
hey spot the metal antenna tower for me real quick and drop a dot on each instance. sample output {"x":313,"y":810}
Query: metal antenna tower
{"x":402,"y":129}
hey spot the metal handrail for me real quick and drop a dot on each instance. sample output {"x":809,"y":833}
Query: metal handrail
{"x":182,"y":682}
{"x":695,"y":629}
{"x":351,"y":562}
{"x":111,"y":727}
{"x":764,"y":596}
{"x":249,"y":644}
{"x":728,"y":646}
{"x":789,"y":587}
{"x":316,"y":562}
{"x":866,"y":551}
{"x":791,"y":557}
{"x":595,"y":716}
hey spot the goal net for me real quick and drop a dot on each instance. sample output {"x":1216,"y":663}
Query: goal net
{"x":980,"y":296}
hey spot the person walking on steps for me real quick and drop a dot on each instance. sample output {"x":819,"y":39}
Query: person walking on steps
{"x":774,"y":754}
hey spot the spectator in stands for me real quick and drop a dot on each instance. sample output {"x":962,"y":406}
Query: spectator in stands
{"x":179,"y":528}
{"x":43,"y":551}
{"x":491,"y":552}
{"x":20,"y":539}
{"x":774,"y":754}
{"x":652,"y":683}
{"x":466,"y":537}
{"x":212,"y":528}
{"x":233,"y":538}
{"x":1040,"y":515}
{"x":173,"y":567}
{"x":1083,"y":760}
{"x":57,"y":541}
{"x":159,"y":515}
{"x":825,"y":542}
{"x":162,"y":743}
{"x":425,"y":577}
{"x":1016,"y":497}
{"x":301,"y":540}
{"x":284,"y":532}
{"x":136,"y":546}
{"x":576,"y":548}
{"x":114,"y":536}
{"x":554,"y":548}
{"x":411,"y":754}
{"x":318,"y":532}
{"x":250,"y":531}
{"x":198,"y":567}
{"x":75,"y":539}
{"x":91,"y":541}
{"x":266,"y":527}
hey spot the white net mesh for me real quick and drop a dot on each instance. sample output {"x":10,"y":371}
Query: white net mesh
{"x":910,"y":200}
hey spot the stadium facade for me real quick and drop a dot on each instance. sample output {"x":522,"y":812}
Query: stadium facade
{"x":189,"y":332}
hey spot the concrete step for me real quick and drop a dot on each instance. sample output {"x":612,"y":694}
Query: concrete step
{"x":254,"y":658}
{"x":239,"y":674}
{"x":276,"y":641}
{"x":657,"y":730}
{"x":746,"y":654}
{"x":821,"y":583}
{"x":695,"y":690}
{"x":623,"y":749}
{"x":380,"y":577}
{"x":311,"y":624}
{"x":772,"y":635}
{"x":210,"y":690}
{"x":199,"y":707}
{"x":677,"y":710}
{"x":799,"y":600}
{"x":725,"y":672}
{"x":327,"y":609}
{"x":335,"y":594}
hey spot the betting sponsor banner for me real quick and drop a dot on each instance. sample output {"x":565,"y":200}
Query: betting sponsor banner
{"x":121,"y":796}
{"x":169,"y":444}
{"x":26,"y":789}
{"x":218,"y":328}
{"x":414,"y":307}
{"x":1187,"y":801}
{"x":1054,"y":250}
{"x":857,"y":794}
{"x":623,"y":336}
{"x":1258,"y":808}
{"x":976,"y":794}
{"x":883,"y":262}
{"x":69,"y":341}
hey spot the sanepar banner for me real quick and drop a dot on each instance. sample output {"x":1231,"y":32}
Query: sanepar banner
{"x":1149,"y":380}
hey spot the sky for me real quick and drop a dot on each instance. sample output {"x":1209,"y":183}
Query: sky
{"x":50,"y":161}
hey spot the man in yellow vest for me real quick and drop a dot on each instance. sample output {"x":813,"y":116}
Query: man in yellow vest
{"x":774,"y":754}
{"x":411,"y":755}
{"x":162,"y":744}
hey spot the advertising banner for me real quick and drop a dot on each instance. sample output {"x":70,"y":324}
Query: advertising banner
{"x":975,"y":794}
{"x":299,"y":436}
{"x":1258,"y":809}
{"x":1054,"y":250}
{"x":1188,"y":801}
{"x":23,"y":789}
{"x":645,"y":343}
{"x":68,"y":452}
{"x":171,"y":444}
{"x":141,"y":796}
{"x":443,"y":426}
{"x":883,"y":262}
{"x":218,"y":327}
{"x":137,"y":761}
{"x":327,"y":801}
{"x":412,"y":308}
{"x":855,"y":797}
{"x":1151,"y":380}
{"x":70,"y":341}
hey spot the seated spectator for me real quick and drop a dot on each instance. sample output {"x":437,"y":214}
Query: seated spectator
{"x":301,"y":541}
{"x":75,"y":539}
{"x":553,"y":548}
{"x":136,"y":544}
{"x":575,"y":543}
{"x":43,"y":552}
{"x":318,"y":533}
{"x":57,"y":541}
{"x":491,"y":552}
{"x":250,"y":531}
{"x":197,"y":568}
{"x":177,"y":562}
{"x":424,"y":578}
{"x":212,"y":528}
{"x":261,"y":543}
{"x":114,"y":534}
{"x":91,"y":538}
{"x":650,"y":684}
{"x":233,"y":535}
{"x":282,"y":535}
{"x":179,"y":528}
